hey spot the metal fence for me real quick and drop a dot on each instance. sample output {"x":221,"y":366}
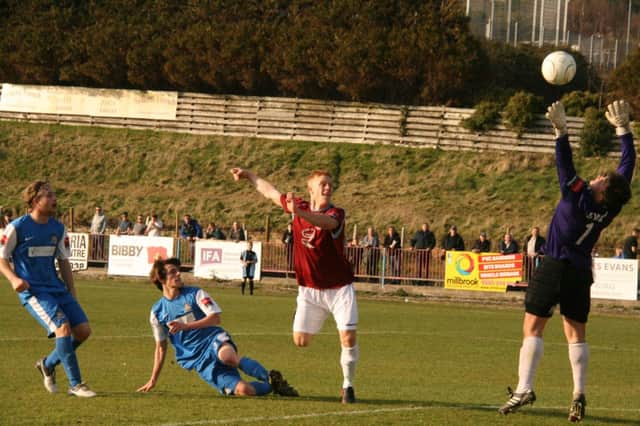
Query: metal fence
{"x":373,"y":265}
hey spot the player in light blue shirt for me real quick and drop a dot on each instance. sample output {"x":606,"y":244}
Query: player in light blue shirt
{"x":33,"y":242}
{"x":190,"y":319}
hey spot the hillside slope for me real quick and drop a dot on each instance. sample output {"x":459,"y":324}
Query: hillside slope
{"x":167,"y":173}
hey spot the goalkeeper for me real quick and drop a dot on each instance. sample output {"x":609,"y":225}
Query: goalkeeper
{"x":564,"y":276}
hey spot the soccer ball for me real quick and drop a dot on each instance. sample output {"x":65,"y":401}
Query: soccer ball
{"x":558,"y":68}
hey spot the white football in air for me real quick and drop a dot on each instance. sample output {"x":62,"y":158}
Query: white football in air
{"x":558,"y":68}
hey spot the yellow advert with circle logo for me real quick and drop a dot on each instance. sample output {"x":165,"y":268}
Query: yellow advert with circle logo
{"x":481,"y":272}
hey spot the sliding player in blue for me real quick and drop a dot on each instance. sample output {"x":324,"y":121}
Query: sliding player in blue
{"x":564,"y":276}
{"x":190,"y":319}
{"x":33,"y":242}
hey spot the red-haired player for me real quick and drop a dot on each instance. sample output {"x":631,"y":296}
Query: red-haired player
{"x":323,"y":274}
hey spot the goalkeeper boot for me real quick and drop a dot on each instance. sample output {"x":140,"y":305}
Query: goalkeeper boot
{"x":576,"y":411}
{"x":48,"y":377}
{"x":517,"y":400}
{"x":348,"y":395}
{"x":280,"y":385}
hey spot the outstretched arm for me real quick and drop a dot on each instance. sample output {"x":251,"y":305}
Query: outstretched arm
{"x":158,"y":361}
{"x":564,"y":157}
{"x":262,"y":186}
{"x":618,"y":115}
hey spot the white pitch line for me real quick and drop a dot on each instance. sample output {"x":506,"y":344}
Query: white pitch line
{"x":369,"y":412}
{"x":360,"y":332}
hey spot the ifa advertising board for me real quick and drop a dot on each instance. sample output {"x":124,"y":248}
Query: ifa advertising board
{"x":615,"y":279}
{"x":134,"y":255}
{"x":465,"y":270}
{"x":221,"y":259}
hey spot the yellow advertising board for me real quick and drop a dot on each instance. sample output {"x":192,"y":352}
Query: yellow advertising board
{"x":465,"y":270}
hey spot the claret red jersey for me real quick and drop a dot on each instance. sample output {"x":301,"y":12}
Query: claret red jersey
{"x":318,"y":254}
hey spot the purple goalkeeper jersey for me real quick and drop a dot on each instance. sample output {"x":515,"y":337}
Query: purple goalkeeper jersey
{"x":578,"y":220}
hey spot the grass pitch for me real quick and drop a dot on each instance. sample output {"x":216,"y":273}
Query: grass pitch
{"x":420,"y":363}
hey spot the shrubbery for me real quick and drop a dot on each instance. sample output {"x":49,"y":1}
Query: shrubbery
{"x":521,"y":112}
{"x":576,"y":103}
{"x":485,"y":117}
{"x":596,"y":135}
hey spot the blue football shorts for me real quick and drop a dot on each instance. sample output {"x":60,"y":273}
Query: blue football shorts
{"x":52,"y":310}
{"x":215,"y":372}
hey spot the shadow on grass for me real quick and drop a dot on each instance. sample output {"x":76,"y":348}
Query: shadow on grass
{"x":527,"y":413}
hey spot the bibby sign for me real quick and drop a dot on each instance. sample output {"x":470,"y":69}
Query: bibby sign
{"x":134,"y":255}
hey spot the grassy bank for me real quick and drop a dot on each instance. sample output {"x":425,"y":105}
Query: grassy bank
{"x":146,"y":171}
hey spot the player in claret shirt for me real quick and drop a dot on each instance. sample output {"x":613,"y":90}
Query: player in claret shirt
{"x":33,"y":242}
{"x":324,"y":275}
{"x":190,"y":319}
{"x":564,"y":276}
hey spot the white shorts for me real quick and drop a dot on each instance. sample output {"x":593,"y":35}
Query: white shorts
{"x":315,"y":305}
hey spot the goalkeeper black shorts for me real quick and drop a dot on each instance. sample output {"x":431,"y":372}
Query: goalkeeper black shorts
{"x":559,"y":282}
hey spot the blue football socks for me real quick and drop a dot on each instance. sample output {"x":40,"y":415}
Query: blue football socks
{"x":254,"y":369}
{"x":67,"y":356}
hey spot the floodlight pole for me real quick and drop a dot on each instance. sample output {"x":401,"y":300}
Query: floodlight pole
{"x":541,"y":40}
{"x":533,"y":24}
{"x":558,"y":21}
{"x":628,"y":29}
{"x":564,"y":28}
{"x":508,"y":21}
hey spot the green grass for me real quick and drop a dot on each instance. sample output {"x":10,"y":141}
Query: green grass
{"x":378,"y":185}
{"x":420,"y":363}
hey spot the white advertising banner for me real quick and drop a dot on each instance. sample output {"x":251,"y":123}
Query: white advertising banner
{"x":79,"y":251}
{"x":134,"y":255}
{"x":615,"y":279}
{"x":93,"y":102}
{"x":221,"y":259}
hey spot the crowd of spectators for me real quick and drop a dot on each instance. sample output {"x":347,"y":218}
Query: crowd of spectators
{"x":152,"y":226}
{"x":366,"y":258}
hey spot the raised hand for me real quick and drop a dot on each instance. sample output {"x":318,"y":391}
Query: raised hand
{"x":618,"y":115}
{"x":555,"y":114}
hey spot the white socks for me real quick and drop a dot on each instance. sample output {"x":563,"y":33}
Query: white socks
{"x":348,"y":360}
{"x":530,"y":355}
{"x":579,"y":358}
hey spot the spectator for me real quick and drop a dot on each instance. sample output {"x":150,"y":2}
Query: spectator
{"x":533,"y":248}
{"x":370,"y":243}
{"x":452,"y":241}
{"x":236,"y":233}
{"x":124,"y":227}
{"x":98,"y":226}
{"x":508,"y":245}
{"x":534,"y":243}
{"x":154,"y":226}
{"x":287,"y":240}
{"x":353,"y":252}
{"x":482,"y":244}
{"x":213,"y":232}
{"x":630,"y":246}
{"x":392,"y":244}
{"x":249,"y":258}
{"x":139,"y":227}
{"x":618,"y":254}
{"x":190,"y":228}
{"x":423,"y":241}
{"x":98,"y":222}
